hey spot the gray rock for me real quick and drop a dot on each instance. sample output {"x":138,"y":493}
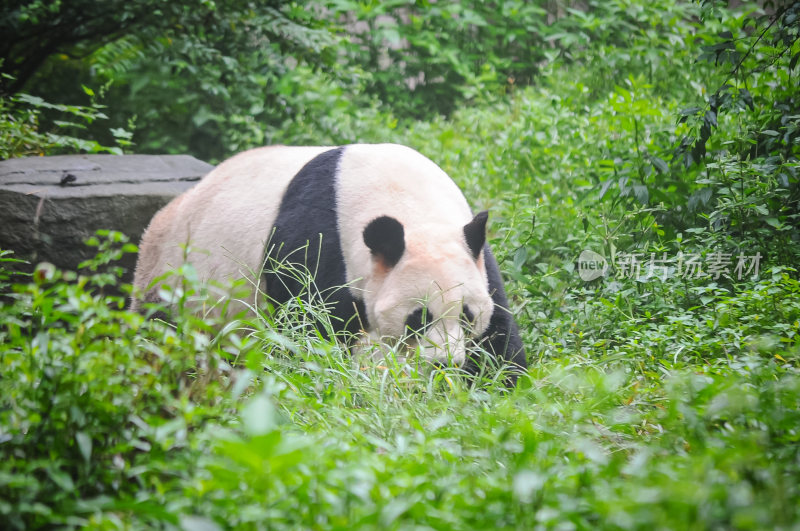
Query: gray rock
{"x":50,"y":205}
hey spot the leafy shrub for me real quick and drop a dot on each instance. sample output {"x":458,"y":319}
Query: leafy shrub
{"x":110,"y":420}
{"x":21,"y":133}
{"x":429,"y":58}
{"x":94,"y":398}
{"x":206,"y":78}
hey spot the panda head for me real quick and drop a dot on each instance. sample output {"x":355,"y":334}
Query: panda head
{"x":428,"y":285}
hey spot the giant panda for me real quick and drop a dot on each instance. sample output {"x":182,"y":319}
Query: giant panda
{"x":391,"y":242}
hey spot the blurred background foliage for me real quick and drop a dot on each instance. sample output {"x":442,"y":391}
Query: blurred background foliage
{"x":212,"y":79}
{"x":659,"y":128}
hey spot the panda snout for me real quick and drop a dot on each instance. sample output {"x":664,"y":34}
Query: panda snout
{"x":445,"y":347}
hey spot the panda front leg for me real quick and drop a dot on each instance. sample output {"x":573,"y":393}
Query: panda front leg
{"x":502,"y":338}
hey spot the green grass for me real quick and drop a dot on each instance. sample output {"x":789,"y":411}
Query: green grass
{"x":689,"y":420}
{"x":683,"y":419}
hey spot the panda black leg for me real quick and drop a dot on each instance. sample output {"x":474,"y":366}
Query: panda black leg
{"x":502,"y":338}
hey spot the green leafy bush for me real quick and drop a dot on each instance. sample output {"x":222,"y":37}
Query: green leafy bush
{"x":206,"y":78}
{"x":95,"y":399}
{"x":430,"y":58}
{"x":21,"y":132}
{"x":109,"y":420}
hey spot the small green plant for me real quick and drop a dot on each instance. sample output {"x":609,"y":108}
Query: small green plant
{"x":21,"y":132}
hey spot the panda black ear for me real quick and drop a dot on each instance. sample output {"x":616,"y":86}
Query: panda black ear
{"x":475,"y":233}
{"x":385,"y":238}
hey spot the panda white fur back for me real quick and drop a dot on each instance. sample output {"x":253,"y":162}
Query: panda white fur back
{"x":222,"y":219}
{"x":382,"y":219}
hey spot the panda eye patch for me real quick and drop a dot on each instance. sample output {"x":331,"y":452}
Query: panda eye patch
{"x":467,"y":315}
{"x":418,"y":321}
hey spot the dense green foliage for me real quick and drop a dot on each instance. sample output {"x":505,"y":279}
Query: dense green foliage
{"x":110,"y":419}
{"x":21,"y":135}
{"x":658,"y":134}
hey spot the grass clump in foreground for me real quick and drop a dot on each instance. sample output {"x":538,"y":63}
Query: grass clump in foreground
{"x":110,"y":420}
